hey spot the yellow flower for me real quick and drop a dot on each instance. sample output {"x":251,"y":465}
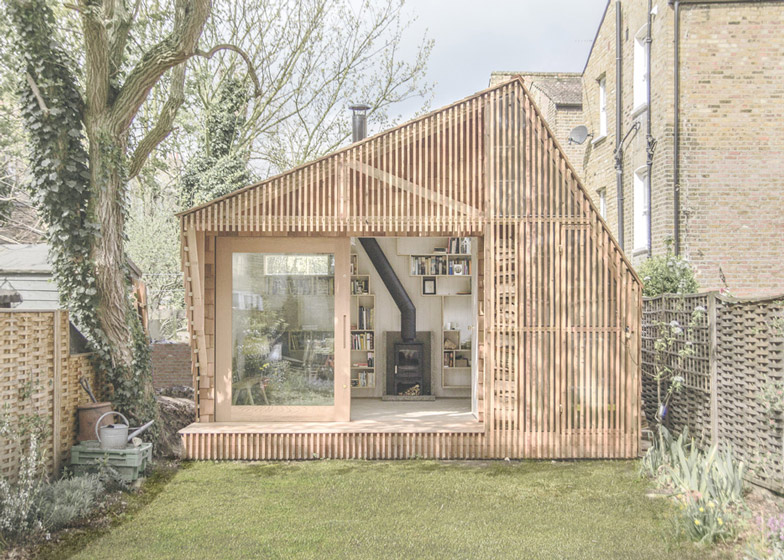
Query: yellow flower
{"x":720,"y":521}
{"x":696,"y":521}
{"x":711,"y":504}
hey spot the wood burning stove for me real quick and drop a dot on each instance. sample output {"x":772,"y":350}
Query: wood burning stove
{"x":409,"y":369}
{"x":408,"y":364}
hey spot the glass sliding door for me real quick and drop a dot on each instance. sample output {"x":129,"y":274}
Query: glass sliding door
{"x":281,"y":333}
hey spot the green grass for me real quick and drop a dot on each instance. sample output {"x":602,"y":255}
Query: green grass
{"x":396,"y":510}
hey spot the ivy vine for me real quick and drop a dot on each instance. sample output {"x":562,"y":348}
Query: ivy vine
{"x":52,"y":109}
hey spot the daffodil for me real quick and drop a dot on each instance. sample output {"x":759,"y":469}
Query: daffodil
{"x":711,"y":504}
{"x":720,"y":521}
{"x":696,"y":521}
{"x":702,"y":509}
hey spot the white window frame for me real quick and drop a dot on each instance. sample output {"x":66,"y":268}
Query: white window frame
{"x":641,"y":70}
{"x":602,"y":107}
{"x":642,"y":213}
{"x":602,"y":202}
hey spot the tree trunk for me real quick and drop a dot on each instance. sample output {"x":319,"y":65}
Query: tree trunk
{"x":111,"y":271}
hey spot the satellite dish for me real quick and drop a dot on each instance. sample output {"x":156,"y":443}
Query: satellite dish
{"x":579,"y":134}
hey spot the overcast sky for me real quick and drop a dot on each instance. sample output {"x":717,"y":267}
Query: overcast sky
{"x":475,"y":37}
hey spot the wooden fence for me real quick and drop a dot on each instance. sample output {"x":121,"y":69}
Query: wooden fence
{"x":734,"y":352}
{"x":38,"y":375}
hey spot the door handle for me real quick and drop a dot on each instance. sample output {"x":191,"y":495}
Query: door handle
{"x":344,"y":331}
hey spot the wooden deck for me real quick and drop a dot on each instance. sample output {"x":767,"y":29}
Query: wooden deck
{"x":444,"y":428}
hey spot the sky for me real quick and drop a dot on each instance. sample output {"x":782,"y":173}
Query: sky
{"x":475,"y":37}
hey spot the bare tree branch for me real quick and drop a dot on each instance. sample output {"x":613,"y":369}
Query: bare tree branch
{"x":96,"y":45}
{"x":174,"y":49}
{"x":37,"y":93}
{"x":121,"y":20}
{"x":245,"y":57}
{"x":164,"y":123}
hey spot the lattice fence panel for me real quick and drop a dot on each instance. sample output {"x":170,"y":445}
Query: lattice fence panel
{"x":674,"y":316}
{"x":38,"y":377}
{"x":750,"y":354}
{"x":738,"y":343}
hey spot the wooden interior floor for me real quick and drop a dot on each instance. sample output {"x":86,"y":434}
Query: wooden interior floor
{"x":367,"y":415}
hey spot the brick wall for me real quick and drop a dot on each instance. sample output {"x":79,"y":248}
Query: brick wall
{"x":171,"y":365}
{"x":598,"y":162}
{"x":732,"y":145}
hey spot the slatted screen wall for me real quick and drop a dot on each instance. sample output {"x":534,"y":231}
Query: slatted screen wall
{"x":560,"y":316}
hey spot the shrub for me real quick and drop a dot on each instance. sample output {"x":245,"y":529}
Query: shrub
{"x":708,"y":486}
{"x":17,"y":500}
{"x":769,"y":544}
{"x":62,"y":502}
{"x":667,"y":274}
{"x":31,"y":506}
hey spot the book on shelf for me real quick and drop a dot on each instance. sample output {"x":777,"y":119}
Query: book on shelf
{"x":428,"y":265}
{"x":459,"y":245}
{"x":353,"y":264}
{"x":371,"y":360}
{"x":359,"y":286}
{"x":362,"y":341}
{"x":366,"y":318}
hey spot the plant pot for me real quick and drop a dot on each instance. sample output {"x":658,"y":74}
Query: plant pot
{"x":88,"y":415}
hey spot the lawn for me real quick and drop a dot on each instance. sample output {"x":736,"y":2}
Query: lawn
{"x":403,"y":509}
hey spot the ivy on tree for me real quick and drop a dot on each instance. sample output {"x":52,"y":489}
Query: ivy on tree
{"x":219,"y":167}
{"x":82,"y":156}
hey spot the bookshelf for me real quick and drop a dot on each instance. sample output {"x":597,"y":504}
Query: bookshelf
{"x":456,"y":361}
{"x":444,"y":267}
{"x":363,"y":329}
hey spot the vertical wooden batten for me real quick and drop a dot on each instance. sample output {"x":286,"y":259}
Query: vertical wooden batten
{"x":560,"y":306}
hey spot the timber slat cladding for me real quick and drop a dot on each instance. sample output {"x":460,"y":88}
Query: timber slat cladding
{"x":559,"y":310}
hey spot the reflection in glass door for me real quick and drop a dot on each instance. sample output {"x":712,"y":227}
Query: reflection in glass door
{"x":283,"y":332}
{"x":281,"y":329}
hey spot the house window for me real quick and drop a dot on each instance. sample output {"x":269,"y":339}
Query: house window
{"x":602,"y":107}
{"x":641,"y":68}
{"x":642,"y":214}
{"x":603,"y":203}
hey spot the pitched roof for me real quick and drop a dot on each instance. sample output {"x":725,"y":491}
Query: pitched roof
{"x":25,"y":257}
{"x":34,"y":258}
{"x":563,"y":88}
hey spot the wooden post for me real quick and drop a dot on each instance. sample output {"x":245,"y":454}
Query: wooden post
{"x":713,"y":359}
{"x":56,"y":392}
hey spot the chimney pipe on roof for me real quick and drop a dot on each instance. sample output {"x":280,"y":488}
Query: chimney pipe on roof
{"x":359,"y":122}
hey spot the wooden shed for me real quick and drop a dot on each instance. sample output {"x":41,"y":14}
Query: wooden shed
{"x":444,"y":289}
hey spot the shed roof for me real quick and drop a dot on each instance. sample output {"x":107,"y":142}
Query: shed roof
{"x":25,"y":257}
{"x":485,"y":159}
{"x":33,"y":258}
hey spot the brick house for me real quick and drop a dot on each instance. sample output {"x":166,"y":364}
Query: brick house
{"x":727,"y":156}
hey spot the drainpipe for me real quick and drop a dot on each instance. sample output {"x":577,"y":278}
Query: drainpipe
{"x":618,"y":104}
{"x":676,"y":138}
{"x":650,"y":143}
